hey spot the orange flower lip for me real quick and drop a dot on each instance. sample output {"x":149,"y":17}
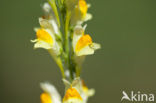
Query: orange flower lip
{"x":72,"y":93}
{"x":45,"y":98}
{"x":84,"y":41}
{"x":44,"y":36}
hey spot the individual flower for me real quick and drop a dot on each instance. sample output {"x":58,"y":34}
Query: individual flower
{"x":83,"y":7}
{"x":72,"y":94}
{"x":80,"y":13}
{"x":77,"y":91}
{"x":86,"y":92}
{"x":46,"y":36}
{"x":82,"y":43}
{"x":50,"y":94}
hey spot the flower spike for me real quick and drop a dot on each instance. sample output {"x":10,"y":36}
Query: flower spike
{"x":61,"y":33}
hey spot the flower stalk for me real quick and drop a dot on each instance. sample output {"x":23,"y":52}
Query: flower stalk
{"x":53,"y":6}
{"x":68,"y":45}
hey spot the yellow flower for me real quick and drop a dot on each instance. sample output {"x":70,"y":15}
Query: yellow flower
{"x":46,"y":36}
{"x":83,"y":7}
{"x":80,"y":13}
{"x":72,"y":94}
{"x":50,"y":94}
{"x":82,"y":43}
{"x":86,"y":92}
{"x":77,"y":91}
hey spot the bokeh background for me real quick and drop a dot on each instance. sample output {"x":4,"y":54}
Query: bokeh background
{"x":126,"y":30}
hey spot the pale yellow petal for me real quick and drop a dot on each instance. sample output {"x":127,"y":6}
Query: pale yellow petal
{"x":91,"y":92}
{"x":33,"y":41}
{"x":85,"y":51}
{"x":46,"y":7}
{"x":44,"y":23}
{"x":42,"y":44}
{"x":95,"y":46}
{"x":88,"y":17}
{"x":73,"y":100}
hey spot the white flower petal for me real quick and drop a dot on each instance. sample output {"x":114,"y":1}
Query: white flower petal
{"x":85,"y":51}
{"x":36,"y":29}
{"x":89,"y":5}
{"x":78,"y":30}
{"x":55,"y":26}
{"x":42,"y":44}
{"x":95,"y":46}
{"x":46,"y":7}
{"x":49,"y":88}
{"x":44,"y":23}
{"x":72,"y":100}
{"x":91,"y":92}
{"x":33,"y":41}
{"x":88,"y":17}
{"x":56,"y":48}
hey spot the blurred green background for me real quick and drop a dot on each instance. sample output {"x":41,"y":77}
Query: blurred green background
{"x":127,"y":61}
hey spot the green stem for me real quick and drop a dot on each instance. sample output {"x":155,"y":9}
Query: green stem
{"x":59,"y":63}
{"x":78,"y":71}
{"x":53,"y":6}
{"x":67,"y":45}
{"x":67,"y":32}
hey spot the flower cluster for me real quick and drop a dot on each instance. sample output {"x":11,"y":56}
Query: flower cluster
{"x":62,"y":34}
{"x":76,"y":92}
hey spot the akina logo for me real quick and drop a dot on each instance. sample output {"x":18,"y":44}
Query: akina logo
{"x":137,"y":96}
